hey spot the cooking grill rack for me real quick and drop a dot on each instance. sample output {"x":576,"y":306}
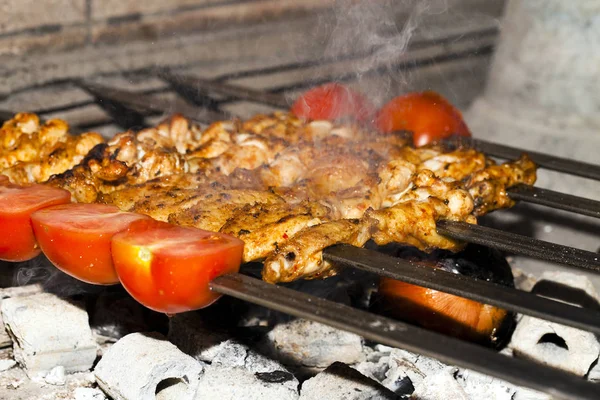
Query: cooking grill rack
{"x":204,"y":100}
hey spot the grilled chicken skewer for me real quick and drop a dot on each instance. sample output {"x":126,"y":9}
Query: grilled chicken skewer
{"x":290,"y":188}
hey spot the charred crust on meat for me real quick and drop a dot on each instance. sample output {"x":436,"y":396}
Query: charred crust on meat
{"x":290,"y":256}
{"x":243,"y":232}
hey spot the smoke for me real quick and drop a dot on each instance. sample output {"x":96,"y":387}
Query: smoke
{"x":40,"y":270}
{"x":382,"y":32}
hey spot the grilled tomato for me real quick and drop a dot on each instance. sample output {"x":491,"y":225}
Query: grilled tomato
{"x":17,"y":203}
{"x":76,"y":238}
{"x":428,"y":115}
{"x":168,"y":268}
{"x":333,"y":101}
{"x":446,"y":313}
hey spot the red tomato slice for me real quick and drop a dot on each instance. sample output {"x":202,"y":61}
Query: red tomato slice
{"x":76,"y":238}
{"x":428,"y":115}
{"x":168,"y":268}
{"x":17,"y":203}
{"x":3,"y":179}
{"x":333,"y":101}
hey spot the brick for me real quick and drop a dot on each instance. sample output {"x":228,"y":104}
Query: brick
{"x":209,"y":18}
{"x":115,"y":8}
{"x":16,"y":15}
{"x":47,"y":332}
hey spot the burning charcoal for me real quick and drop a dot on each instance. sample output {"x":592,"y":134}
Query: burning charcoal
{"x":440,"y":386}
{"x":341,"y":381}
{"x":307,"y":343}
{"x":89,"y":394}
{"x":144,"y":366}
{"x":553,"y":344}
{"x":48,"y":331}
{"x":239,"y":383}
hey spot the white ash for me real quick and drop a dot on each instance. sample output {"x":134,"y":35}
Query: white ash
{"x":556,"y":345}
{"x":89,"y":394}
{"x":5,"y":365}
{"x":440,"y":386}
{"x":192,"y":335}
{"x":480,"y":386}
{"x":56,"y":376}
{"x":40,"y":343}
{"x":339,"y":381}
{"x":141,"y":366}
{"x":594,"y":374}
{"x":311,"y":344}
{"x":18,"y":291}
{"x":239,"y":383}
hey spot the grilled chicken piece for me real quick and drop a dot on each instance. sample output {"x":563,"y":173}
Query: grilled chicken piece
{"x":265,"y":227}
{"x":302,"y":256}
{"x":286,"y":187}
{"x":31,"y":152}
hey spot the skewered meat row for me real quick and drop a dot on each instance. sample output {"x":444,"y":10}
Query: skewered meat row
{"x":288,"y":188}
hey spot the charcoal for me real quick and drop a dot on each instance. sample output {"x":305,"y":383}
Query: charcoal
{"x":440,"y":386}
{"x":144,"y":366}
{"x":89,"y":394}
{"x":5,"y":340}
{"x":239,"y":383}
{"x":194,"y":336}
{"x":115,"y":316}
{"x":56,"y":376}
{"x":40,"y":342}
{"x":311,"y":344}
{"x":340,"y":381}
{"x":5,"y":365}
{"x":594,"y":374}
{"x":556,"y":345}
{"x":479,"y":386}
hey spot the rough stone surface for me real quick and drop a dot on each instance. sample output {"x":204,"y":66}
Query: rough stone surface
{"x":534,"y":338}
{"x":239,"y":383}
{"x":440,"y":386}
{"x":22,"y":14}
{"x":137,"y":364}
{"x":40,"y":342}
{"x":307,"y":343}
{"x":339,"y":381}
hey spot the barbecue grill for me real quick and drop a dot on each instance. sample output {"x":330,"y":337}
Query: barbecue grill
{"x":205,"y":101}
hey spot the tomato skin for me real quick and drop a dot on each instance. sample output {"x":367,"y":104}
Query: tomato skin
{"x":428,"y":115}
{"x":333,"y":101}
{"x":76,"y":238}
{"x":17,"y":241}
{"x":168,"y":268}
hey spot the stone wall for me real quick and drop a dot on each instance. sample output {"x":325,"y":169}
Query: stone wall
{"x":41,"y":26}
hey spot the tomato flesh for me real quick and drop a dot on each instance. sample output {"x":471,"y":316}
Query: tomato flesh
{"x":17,"y":203}
{"x":333,"y":101}
{"x":76,"y":238}
{"x":428,"y":115}
{"x":168,"y":268}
